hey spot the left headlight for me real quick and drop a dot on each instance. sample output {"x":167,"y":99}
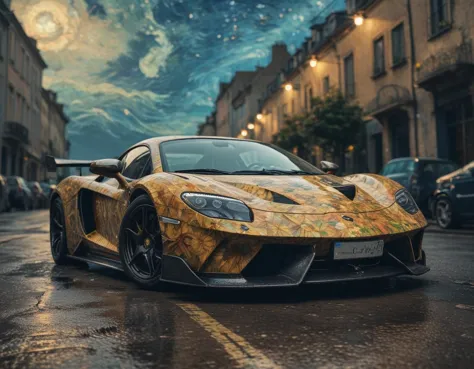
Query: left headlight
{"x":215,"y":206}
{"x":406,"y":201}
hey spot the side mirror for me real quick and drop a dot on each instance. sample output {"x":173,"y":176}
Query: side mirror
{"x":328,"y":167}
{"x":106,"y":167}
{"x":110,"y":168}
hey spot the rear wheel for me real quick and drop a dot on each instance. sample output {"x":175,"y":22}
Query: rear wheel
{"x":58,"y":232}
{"x":141,"y":248}
{"x":444,"y":214}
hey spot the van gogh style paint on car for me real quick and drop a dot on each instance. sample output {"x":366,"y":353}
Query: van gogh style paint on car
{"x":220,"y":212}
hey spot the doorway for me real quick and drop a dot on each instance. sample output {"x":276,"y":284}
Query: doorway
{"x":400,"y":134}
{"x":457,"y":121}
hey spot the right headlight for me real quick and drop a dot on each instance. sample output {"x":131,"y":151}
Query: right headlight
{"x":405,"y":200}
{"x":216,"y":206}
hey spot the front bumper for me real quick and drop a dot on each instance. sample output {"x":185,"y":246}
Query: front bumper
{"x":299,"y":264}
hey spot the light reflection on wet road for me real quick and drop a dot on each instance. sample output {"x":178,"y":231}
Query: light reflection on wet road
{"x":90,"y":317}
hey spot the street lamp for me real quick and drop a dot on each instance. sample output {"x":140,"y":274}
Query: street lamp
{"x":251,"y":126}
{"x":288,"y":87}
{"x":259,"y":116}
{"x":244,"y":133}
{"x":358,"y":20}
{"x":313,"y":62}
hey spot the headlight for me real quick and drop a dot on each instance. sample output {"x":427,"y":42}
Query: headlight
{"x":218,"y":206}
{"x":405,"y":200}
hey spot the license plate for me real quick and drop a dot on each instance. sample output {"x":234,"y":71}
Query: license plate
{"x":358,"y":250}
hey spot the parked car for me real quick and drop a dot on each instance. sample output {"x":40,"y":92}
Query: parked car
{"x":418,"y":176}
{"x":48,"y":189}
{"x":4,"y":203}
{"x":453,"y":201}
{"x":39,"y":198}
{"x":20,"y":196}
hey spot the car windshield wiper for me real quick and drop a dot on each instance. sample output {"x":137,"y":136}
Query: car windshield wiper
{"x":202,"y":170}
{"x":274,"y":172}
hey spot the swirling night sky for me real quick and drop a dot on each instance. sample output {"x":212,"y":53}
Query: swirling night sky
{"x":132,"y":69}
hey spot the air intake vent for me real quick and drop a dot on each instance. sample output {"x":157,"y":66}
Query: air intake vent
{"x":282,"y":199}
{"x":347,"y":190}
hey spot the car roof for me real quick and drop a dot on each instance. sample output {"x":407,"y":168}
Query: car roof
{"x":421,"y":158}
{"x":158,"y":140}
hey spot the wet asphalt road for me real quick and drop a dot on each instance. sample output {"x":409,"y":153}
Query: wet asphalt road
{"x":90,"y":317}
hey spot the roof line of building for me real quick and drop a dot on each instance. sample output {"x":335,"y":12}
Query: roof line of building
{"x":10,"y":15}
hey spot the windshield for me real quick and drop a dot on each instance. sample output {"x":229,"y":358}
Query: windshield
{"x":399,"y":166}
{"x":220,"y":156}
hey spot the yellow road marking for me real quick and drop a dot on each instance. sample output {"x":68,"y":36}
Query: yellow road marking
{"x":236,"y":346}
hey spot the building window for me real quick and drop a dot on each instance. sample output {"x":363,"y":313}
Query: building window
{"x":379,"y":57}
{"x":12,"y":47}
{"x":398,"y":45}
{"x":308,"y":95}
{"x":440,"y":19}
{"x":284,"y":111}
{"x":19,"y":108}
{"x":26,"y":68}
{"x":293,"y":106}
{"x":11,"y":100}
{"x":326,"y":84}
{"x":349,"y":80}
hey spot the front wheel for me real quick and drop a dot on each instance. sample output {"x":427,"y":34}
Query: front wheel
{"x":141,"y":248}
{"x":57,"y":232}
{"x":444,"y":214}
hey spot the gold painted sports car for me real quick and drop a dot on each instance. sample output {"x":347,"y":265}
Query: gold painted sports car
{"x":223,"y":212}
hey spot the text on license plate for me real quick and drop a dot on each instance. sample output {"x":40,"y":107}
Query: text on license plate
{"x":358,"y":250}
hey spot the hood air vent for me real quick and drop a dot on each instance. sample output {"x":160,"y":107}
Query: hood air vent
{"x":282,"y":199}
{"x":347,"y":190}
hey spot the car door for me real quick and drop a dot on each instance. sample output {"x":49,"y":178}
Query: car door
{"x":464,"y":191}
{"x":109,"y":201}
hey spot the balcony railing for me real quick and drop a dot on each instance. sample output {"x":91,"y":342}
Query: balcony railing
{"x":16,"y":131}
{"x":445,"y":60}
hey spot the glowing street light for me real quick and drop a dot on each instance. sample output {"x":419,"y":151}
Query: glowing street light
{"x":259,"y":116}
{"x":313,"y":62}
{"x":251,"y":126}
{"x":358,"y":20}
{"x":244,"y":133}
{"x":288,"y":87}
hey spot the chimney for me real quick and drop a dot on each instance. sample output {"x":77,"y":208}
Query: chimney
{"x":279,"y":52}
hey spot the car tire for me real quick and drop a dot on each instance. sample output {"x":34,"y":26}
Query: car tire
{"x":445,"y":217}
{"x":57,"y":229}
{"x":140,"y":246}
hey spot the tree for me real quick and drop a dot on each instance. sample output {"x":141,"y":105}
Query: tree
{"x":292,"y":136}
{"x":333,"y":123}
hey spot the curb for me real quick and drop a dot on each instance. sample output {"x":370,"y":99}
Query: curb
{"x":435,"y":229}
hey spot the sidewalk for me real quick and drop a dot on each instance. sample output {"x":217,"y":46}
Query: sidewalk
{"x":466,"y":229}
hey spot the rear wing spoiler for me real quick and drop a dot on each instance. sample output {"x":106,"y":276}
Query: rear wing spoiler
{"x":52,"y":164}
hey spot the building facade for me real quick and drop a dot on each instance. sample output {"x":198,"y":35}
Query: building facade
{"x":228,"y":114}
{"x":21,"y":152}
{"x":408,"y":64}
{"x":208,"y":128}
{"x":4,"y":25}
{"x":53,"y":129}
{"x":33,"y":123}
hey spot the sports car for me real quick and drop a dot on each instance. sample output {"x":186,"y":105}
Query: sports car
{"x":225,"y":212}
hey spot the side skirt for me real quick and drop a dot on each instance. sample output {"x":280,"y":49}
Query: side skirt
{"x":98,"y":260}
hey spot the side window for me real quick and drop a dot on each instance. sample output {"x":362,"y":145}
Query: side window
{"x":137,"y":163}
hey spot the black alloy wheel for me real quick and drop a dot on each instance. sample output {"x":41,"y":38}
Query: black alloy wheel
{"x":141,"y":248}
{"x":57,"y":231}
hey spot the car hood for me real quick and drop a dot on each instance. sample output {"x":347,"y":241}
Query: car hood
{"x":401,"y":178}
{"x":312,"y":194}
